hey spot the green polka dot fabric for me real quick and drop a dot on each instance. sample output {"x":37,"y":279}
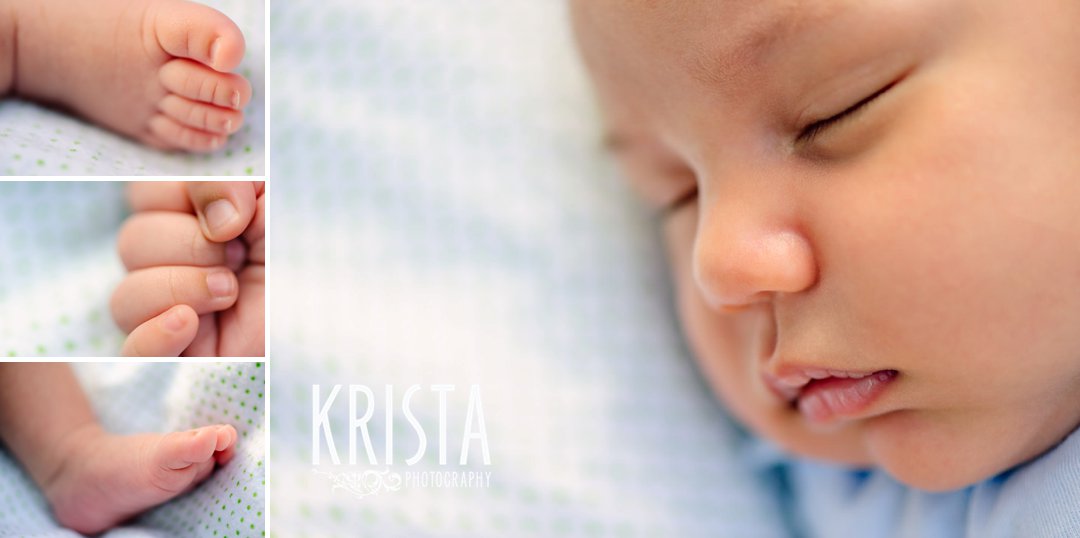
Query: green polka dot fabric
{"x":58,"y":267}
{"x":133,"y":397}
{"x":444,"y":215}
{"x":36,"y":141}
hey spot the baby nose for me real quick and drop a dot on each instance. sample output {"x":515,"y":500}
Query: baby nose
{"x":741,"y":259}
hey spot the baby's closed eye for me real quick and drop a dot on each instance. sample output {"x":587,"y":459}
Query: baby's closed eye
{"x":836,"y":135}
{"x":810,"y":132}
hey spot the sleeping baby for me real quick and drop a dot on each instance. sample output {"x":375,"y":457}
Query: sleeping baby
{"x":195,"y":252}
{"x":157,"y":71}
{"x":870,"y":211}
{"x":94,"y":479}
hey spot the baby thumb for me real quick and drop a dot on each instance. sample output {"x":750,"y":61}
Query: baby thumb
{"x":224,"y":208}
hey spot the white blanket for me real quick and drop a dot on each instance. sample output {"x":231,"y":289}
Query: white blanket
{"x":58,"y":267}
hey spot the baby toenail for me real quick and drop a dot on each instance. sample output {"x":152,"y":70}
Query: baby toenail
{"x":220,"y":284}
{"x":213,"y":50}
{"x":236,"y":99}
{"x":173,"y":321}
{"x":228,"y":126}
{"x":218,"y":215}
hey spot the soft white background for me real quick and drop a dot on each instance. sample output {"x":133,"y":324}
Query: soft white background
{"x":58,"y":268}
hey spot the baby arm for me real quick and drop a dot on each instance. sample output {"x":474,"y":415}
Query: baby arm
{"x":195,"y":252}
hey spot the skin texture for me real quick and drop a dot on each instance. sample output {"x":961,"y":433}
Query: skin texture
{"x":195,"y":253}
{"x":93,"y":479}
{"x":932,"y":231}
{"x":157,"y":71}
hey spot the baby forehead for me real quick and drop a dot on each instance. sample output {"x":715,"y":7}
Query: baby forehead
{"x":738,"y":20}
{"x":708,"y":33}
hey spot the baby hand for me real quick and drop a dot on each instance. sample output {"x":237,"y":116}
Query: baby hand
{"x":196,"y":254}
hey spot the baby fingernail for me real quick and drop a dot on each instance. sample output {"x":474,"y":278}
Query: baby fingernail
{"x":220,"y":284}
{"x":219,"y":214}
{"x":173,"y":321}
{"x":236,"y":99}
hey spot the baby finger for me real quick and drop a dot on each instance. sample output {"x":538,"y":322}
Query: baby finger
{"x":145,"y":293}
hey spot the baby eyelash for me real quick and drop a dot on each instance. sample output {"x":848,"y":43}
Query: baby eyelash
{"x":811,"y":131}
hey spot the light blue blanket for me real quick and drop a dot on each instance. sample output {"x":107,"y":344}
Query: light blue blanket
{"x":1039,"y":499}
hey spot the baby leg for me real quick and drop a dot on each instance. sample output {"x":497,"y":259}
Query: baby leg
{"x":7,"y":50}
{"x":94,"y":479}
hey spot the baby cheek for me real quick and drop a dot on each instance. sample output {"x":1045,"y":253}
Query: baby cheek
{"x":726,"y":350}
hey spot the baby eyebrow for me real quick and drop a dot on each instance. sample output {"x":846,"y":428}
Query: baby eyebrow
{"x":762,"y":34}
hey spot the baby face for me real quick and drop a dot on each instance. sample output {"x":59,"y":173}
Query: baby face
{"x":871,"y":212}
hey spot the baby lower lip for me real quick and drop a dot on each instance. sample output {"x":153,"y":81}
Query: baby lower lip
{"x":825,"y":400}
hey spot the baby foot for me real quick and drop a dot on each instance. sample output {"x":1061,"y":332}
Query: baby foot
{"x":104,"y":479}
{"x":157,"y":71}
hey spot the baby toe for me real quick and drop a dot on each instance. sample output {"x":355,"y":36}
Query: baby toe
{"x":178,"y":459}
{"x":225,"y":456}
{"x":180,"y":450}
{"x":204,"y":470}
{"x":201,"y":116}
{"x":183,"y":137}
{"x":195,"y":82}
{"x":226,"y":445}
{"x":201,"y":33}
{"x":156,"y":142}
